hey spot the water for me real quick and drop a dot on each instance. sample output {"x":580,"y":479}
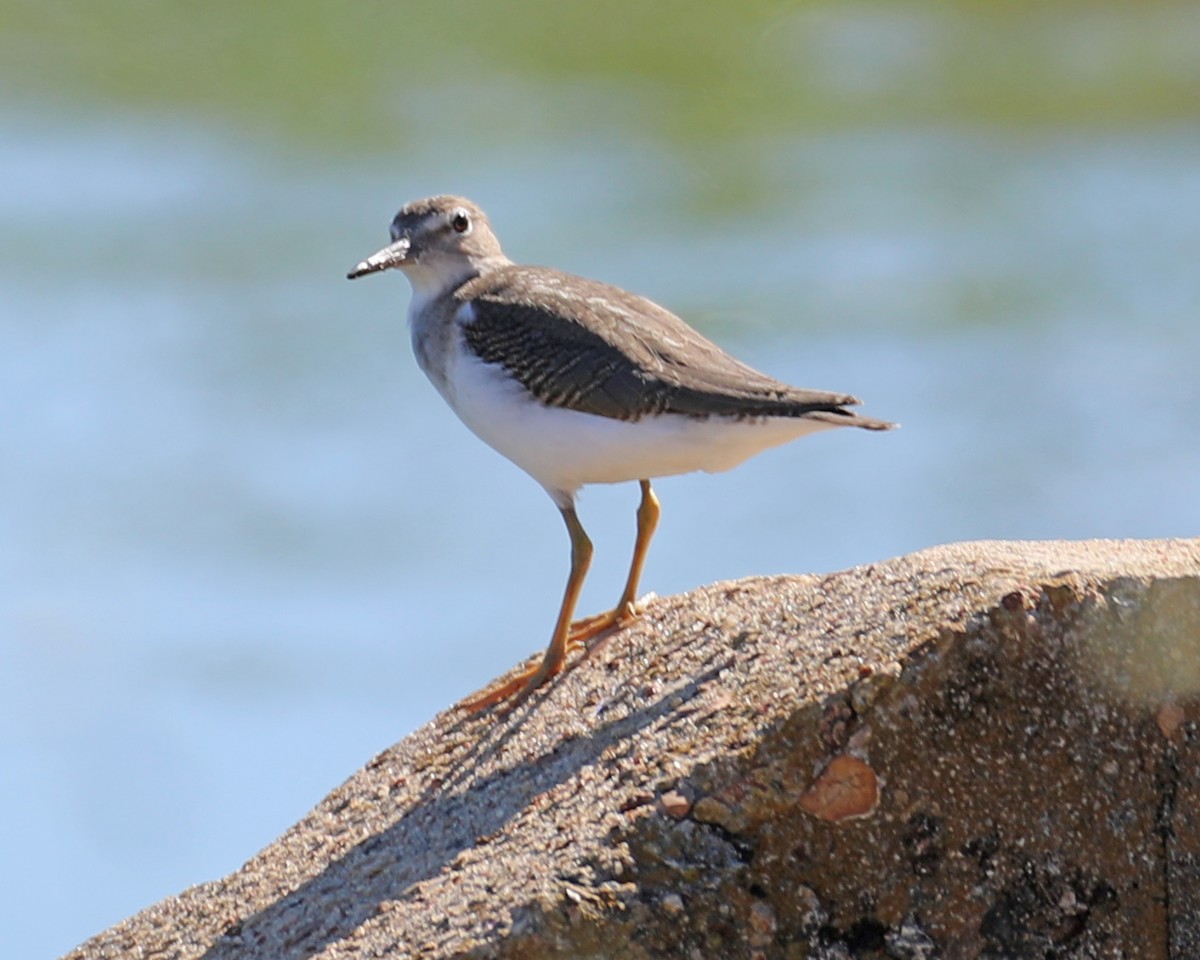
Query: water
{"x":243,"y":545}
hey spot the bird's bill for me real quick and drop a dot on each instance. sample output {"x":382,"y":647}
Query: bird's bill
{"x":393,"y":255}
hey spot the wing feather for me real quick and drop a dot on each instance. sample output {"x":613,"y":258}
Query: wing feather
{"x":595,"y":348}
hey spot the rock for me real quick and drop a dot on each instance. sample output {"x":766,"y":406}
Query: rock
{"x":675,"y":804}
{"x":981,"y":750}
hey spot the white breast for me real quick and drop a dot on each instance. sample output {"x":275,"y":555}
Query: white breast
{"x":565,"y":449}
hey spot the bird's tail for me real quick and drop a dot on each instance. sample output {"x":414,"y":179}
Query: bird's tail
{"x":841,"y":417}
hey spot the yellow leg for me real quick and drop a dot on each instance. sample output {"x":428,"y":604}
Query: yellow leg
{"x":625,"y":611}
{"x":526,"y":682}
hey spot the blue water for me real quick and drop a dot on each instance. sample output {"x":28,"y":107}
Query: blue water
{"x":244,"y":546}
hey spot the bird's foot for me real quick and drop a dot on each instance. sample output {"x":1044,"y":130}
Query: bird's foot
{"x":518,"y":687}
{"x":582,"y":633}
{"x":585,"y":630}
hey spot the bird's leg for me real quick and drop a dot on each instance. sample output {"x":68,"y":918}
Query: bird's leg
{"x":626,"y":609}
{"x":529,"y":680}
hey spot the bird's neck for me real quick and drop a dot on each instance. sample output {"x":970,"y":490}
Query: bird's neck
{"x":433,"y":279}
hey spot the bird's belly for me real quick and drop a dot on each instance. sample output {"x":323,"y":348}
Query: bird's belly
{"x":565,"y":449}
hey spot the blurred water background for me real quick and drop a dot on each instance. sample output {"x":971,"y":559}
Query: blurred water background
{"x":243,"y":544}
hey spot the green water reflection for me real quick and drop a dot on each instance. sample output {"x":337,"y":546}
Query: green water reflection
{"x":716,"y":84}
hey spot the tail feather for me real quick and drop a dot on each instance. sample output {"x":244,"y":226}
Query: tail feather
{"x":841,"y":417}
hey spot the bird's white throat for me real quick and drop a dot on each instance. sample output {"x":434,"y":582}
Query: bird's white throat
{"x":439,"y":276}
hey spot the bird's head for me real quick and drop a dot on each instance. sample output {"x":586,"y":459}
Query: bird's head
{"x":436,"y":242}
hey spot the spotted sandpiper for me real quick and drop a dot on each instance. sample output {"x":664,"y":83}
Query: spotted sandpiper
{"x":578,"y":382}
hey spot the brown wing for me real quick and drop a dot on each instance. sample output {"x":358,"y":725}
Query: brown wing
{"x":595,"y":348}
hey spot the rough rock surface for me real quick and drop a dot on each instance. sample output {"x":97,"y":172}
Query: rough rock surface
{"x":981,"y":750}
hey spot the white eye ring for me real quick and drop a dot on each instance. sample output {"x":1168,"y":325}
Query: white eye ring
{"x":460,"y":221}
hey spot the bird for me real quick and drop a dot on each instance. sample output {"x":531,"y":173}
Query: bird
{"x":580,"y":382}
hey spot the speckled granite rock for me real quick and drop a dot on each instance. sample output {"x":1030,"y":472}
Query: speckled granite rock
{"x":982,"y":750}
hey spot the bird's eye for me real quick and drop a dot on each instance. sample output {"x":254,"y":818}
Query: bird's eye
{"x":460,"y":222}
